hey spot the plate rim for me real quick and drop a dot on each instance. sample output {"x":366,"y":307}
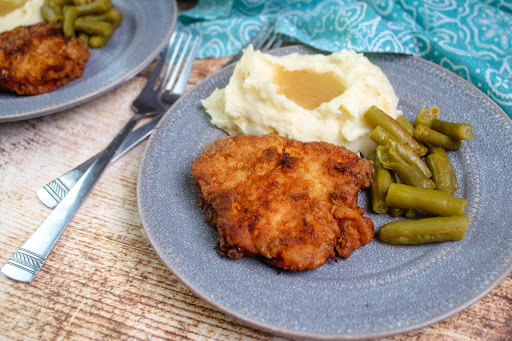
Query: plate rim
{"x":295,"y":333}
{"x":114,"y":83}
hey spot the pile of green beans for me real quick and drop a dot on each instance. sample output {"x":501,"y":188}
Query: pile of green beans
{"x":93,"y":21}
{"x":413,"y":173}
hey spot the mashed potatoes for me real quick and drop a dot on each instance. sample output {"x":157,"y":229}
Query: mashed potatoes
{"x":303,"y":97}
{"x":14,"y":13}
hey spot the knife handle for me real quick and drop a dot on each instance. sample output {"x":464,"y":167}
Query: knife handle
{"x":24,"y":265}
{"x":53,"y":192}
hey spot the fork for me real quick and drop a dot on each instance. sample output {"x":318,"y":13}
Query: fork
{"x":54,"y":191}
{"x":28,"y":260}
{"x":149,"y":99}
{"x":264,"y":40}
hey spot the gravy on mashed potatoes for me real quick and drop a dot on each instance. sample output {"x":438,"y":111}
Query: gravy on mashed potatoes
{"x":14,"y":13}
{"x":303,"y":97}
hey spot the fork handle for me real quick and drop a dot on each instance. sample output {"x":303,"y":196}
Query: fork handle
{"x":54,"y":191}
{"x":27,"y":261}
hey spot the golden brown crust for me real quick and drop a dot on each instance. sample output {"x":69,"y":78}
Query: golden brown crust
{"x":38,"y":59}
{"x":293,"y":203}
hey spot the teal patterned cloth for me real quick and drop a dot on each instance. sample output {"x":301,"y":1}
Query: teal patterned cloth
{"x":469,"y":37}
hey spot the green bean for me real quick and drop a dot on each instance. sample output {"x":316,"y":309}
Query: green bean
{"x":70,"y":16}
{"x":395,"y":211}
{"x":65,"y":8}
{"x":435,"y":149}
{"x":409,"y":213}
{"x":405,"y":124}
{"x":379,"y":188}
{"x":80,"y":2}
{"x":435,"y":138}
{"x":382,"y":137}
{"x":98,"y":41}
{"x":84,"y":37}
{"x":95,"y":7}
{"x":427,"y":200}
{"x":52,"y":14}
{"x":100,"y":28}
{"x":113,"y":16}
{"x":377,"y":117}
{"x":442,"y":171}
{"x":426,"y":116}
{"x":408,"y":173}
{"x":410,"y":129}
{"x":58,"y":3}
{"x":427,"y":230}
{"x":462,"y":131}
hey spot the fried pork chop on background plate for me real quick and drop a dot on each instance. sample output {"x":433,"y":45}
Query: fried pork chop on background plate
{"x":293,"y":203}
{"x":38,"y":59}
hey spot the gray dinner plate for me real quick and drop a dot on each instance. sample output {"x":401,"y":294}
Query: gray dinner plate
{"x":136,"y":42}
{"x":382,"y":289}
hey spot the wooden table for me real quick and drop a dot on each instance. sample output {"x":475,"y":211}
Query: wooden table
{"x":103,"y":280}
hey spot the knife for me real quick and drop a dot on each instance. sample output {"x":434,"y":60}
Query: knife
{"x":54,"y":191}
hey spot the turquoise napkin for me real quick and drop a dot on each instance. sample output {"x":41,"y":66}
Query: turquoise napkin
{"x":471,"y":38}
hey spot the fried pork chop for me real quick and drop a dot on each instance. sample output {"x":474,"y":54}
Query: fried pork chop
{"x":293,"y":203}
{"x":38,"y":59}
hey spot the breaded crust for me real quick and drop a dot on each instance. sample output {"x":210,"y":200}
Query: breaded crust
{"x":293,"y":203}
{"x":38,"y":59}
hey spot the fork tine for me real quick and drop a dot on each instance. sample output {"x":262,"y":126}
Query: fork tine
{"x":168,"y":84}
{"x":273,"y":43}
{"x":170,"y":59}
{"x":277,"y":44}
{"x":179,"y":88}
{"x":161,"y":66}
{"x":268,"y":44}
{"x":262,"y":36}
{"x":169,"y":97}
{"x":256,"y":41}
